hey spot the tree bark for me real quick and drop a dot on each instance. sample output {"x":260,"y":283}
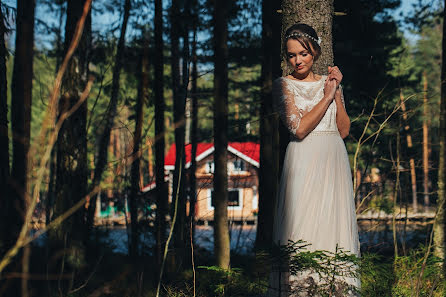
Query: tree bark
{"x":161,"y":186}
{"x":71,"y":148}
{"x":136,"y":153}
{"x":220,"y":195}
{"x":425,"y":145}
{"x":193,"y":134}
{"x":319,"y":15}
{"x":15,"y":204}
{"x":4,"y":138}
{"x":439,"y":225}
{"x":102,"y":156}
{"x":269,"y":124}
{"x":179,"y":91}
{"x":21,"y":97}
{"x":413,"y":177}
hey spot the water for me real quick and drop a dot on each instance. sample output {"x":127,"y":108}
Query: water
{"x":372,"y":236}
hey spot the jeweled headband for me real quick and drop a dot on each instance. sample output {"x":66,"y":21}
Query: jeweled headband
{"x":299,"y":34}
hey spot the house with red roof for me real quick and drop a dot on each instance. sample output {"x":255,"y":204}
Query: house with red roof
{"x":243,"y":164}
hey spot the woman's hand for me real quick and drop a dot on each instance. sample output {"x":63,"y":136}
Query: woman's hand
{"x":330,"y":89}
{"x":335,"y":74}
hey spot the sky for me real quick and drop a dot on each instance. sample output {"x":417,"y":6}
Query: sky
{"x":104,"y":20}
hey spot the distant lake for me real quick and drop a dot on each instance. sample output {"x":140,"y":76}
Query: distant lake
{"x":373,"y":236}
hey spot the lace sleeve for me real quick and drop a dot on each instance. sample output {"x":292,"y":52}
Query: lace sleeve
{"x":342,"y":95}
{"x":284,"y":104}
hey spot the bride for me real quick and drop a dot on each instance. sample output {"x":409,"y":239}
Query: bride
{"x":315,"y":201}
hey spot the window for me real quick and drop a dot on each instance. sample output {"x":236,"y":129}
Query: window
{"x":234,"y":199}
{"x":239,"y":165}
{"x":210,"y":167}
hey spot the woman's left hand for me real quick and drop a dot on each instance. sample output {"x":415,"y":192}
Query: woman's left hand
{"x":335,"y":73}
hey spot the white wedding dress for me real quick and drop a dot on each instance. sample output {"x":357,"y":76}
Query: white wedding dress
{"x":315,"y":200}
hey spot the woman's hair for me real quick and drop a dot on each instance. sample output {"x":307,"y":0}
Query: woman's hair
{"x":306,"y":35}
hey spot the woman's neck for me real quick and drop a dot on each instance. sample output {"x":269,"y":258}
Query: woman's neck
{"x":309,"y":76}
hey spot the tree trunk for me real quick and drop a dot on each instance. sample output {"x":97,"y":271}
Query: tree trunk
{"x":439,"y":225}
{"x":136,"y":153}
{"x":179,"y":103}
{"x":71,"y":147}
{"x":102,"y":156}
{"x":4,"y":139}
{"x":269,"y":154}
{"x":193,"y":134}
{"x":319,"y":15}
{"x":413,"y":177}
{"x":15,"y":205}
{"x":21,"y":91}
{"x":161,"y":186}
{"x":425,"y":145}
{"x":220,"y":195}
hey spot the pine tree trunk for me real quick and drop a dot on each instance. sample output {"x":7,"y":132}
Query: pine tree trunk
{"x":4,"y":139}
{"x":193,"y":135}
{"x":220,"y":195}
{"x":72,"y":168}
{"x":102,"y":156}
{"x":21,"y":96}
{"x":439,"y":225}
{"x":425,"y":145}
{"x":179,"y":91}
{"x":413,"y":177}
{"x":269,"y":155}
{"x":136,"y":153}
{"x":161,"y":186}
{"x":319,"y":15}
{"x":15,"y":204}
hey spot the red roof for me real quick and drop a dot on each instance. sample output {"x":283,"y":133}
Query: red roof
{"x":249,"y":151}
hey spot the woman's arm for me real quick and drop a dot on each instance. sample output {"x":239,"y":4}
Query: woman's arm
{"x":342,"y":119}
{"x":310,"y":120}
{"x":298,"y":122}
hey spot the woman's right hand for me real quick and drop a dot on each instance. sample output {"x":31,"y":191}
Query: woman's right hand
{"x":330,"y":89}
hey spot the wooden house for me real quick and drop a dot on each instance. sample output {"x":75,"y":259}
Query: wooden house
{"x":243,"y":164}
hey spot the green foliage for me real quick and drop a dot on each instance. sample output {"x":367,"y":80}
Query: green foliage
{"x":376,"y":275}
{"x":215,"y":281}
{"x":412,"y":274}
{"x":382,"y":204}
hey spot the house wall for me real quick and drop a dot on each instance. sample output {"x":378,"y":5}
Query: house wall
{"x":245,"y":181}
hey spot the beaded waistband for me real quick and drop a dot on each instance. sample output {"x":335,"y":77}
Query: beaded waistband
{"x":317,"y":133}
{"x":323,"y":132}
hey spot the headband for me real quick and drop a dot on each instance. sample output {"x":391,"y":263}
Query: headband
{"x":299,"y":34}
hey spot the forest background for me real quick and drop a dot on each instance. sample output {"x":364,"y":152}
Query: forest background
{"x":149,"y":74}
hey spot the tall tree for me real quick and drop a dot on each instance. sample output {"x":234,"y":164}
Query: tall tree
{"x":136,"y":152}
{"x":425,"y":144}
{"x":194,"y":125}
{"x":4,"y":139}
{"x":319,"y":15}
{"x":71,"y":146}
{"x":104,"y":140}
{"x":413,"y":177}
{"x":161,"y":186}
{"x":220,"y":194}
{"x":21,"y":95}
{"x":179,"y":93}
{"x":439,"y":225}
{"x":269,"y":153}
{"x":15,"y":204}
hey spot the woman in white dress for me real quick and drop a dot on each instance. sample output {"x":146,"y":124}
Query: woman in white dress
{"x":315,"y":201}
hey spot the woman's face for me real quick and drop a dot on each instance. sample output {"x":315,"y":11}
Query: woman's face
{"x":300,"y":58}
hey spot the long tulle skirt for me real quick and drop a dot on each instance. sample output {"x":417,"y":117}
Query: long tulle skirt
{"x":315,"y":204}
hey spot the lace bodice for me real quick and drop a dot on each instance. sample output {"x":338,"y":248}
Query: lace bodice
{"x":293,"y":99}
